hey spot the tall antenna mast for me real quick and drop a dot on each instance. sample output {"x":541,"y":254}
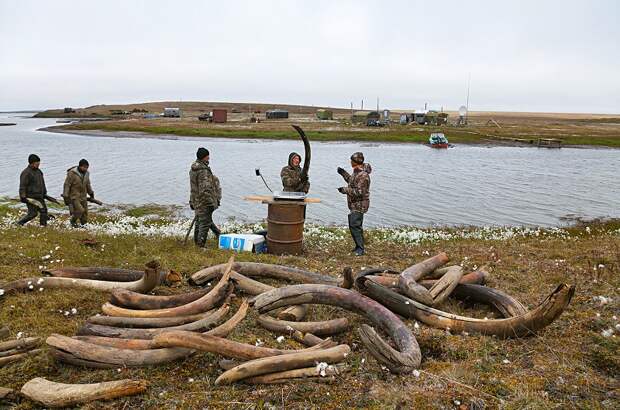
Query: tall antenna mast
{"x":467,"y":102}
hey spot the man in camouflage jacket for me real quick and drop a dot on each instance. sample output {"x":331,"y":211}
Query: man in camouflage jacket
{"x":358,"y":198}
{"x":76,"y":188}
{"x":205,"y":196}
{"x":32,"y":191}
{"x":292,"y":178}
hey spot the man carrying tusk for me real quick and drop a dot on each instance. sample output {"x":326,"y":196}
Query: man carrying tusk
{"x":205,"y":196}
{"x":358,"y":197}
{"x":76,"y":188}
{"x":292,"y":176}
{"x":32,"y":191}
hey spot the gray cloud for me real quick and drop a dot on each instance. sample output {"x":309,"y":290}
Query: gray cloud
{"x":522,"y":56}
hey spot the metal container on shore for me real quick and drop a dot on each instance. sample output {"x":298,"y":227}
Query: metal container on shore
{"x":285,"y":227}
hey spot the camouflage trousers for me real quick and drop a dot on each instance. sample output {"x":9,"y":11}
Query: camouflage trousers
{"x":204,"y":223}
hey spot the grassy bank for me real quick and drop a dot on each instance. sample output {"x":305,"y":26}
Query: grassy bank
{"x":585,"y":134}
{"x":569,"y":364}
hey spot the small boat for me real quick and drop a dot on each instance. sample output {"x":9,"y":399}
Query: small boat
{"x":438,"y":140}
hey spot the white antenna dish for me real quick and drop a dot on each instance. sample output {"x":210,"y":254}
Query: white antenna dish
{"x":462,"y":110}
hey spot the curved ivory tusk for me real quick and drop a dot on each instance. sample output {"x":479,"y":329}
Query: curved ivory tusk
{"x":89,"y":353}
{"x":147,"y":283}
{"x":53,"y":394}
{"x":107,"y":274}
{"x":544,"y":314}
{"x":108,"y":331}
{"x":507,"y":305}
{"x":132,"y":300}
{"x":224,"y":347}
{"x":405,"y":360}
{"x":264,"y":270}
{"x":20,"y":344}
{"x":281,"y":363}
{"x":307,"y":373}
{"x":222,"y":330}
{"x":324,"y":328}
{"x":144,"y":322}
{"x":215,"y":297}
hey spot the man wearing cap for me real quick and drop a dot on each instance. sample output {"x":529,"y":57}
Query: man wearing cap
{"x":205,"y":196}
{"x":358,"y":198}
{"x":77,"y":187}
{"x":292,"y":176}
{"x":32,"y":191}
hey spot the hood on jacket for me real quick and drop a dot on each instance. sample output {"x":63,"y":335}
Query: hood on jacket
{"x":77,"y":171}
{"x":199,"y":164}
{"x":290,"y":159}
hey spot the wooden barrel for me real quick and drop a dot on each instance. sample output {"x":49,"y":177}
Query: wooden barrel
{"x":285,"y":228}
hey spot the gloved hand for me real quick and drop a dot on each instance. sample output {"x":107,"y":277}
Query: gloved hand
{"x":342,"y":190}
{"x":23,"y":200}
{"x":66,"y":200}
{"x":341,"y":171}
{"x":191,"y":206}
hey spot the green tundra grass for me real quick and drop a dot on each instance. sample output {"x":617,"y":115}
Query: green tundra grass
{"x":570,"y":364}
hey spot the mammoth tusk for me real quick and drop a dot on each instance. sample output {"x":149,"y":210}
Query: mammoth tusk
{"x":53,"y":394}
{"x":17,"y":357}
{"x":315,"y":373}
{"x":214,"y":298}
{"x":263,"y":270}
{"x":224,"y":347}
{"x":310,"y":340}
{"x":102,"y":273}
{"x":443,"y":287}
{"x":504,"y":303}
{"x":97,"y":355}
{"x":281,"y":363}
{"x":405,"y":360}
{"x":108,"y":331}
{"x":293,"y":313}
{"x":324,"y":328}
{"x":132,"y":300}
{"x":20,"y":344}
{"x":144,"y":322}
{"x":526,"y":324}
{"x":147,"y":283}
{"x":222,"y":330}
{"x":407,"y":281}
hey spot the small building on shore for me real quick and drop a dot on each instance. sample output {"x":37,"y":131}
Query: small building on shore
{"x":276,"y":114}
{"x":323,"y":114}
{"x":172,"y":112}
{"x":219,"y":115}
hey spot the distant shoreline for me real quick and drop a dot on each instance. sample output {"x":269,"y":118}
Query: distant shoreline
{"x":62,"y":129}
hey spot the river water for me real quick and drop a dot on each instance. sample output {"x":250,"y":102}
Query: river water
{"x":411,"y":184}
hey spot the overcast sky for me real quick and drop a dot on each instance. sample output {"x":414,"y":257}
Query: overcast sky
{"x":554,"y":56}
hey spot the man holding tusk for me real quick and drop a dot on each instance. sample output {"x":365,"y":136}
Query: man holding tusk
{"x":76,"y":188}
{"x":293,"y":179}
{"x":205,"y":196}
{"x":358,"y":198}
{"x":32,"y":191}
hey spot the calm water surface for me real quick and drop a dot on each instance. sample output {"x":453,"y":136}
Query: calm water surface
{"x":411,"y":184}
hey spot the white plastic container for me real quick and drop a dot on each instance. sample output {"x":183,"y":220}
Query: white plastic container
{"x":243,"y":242}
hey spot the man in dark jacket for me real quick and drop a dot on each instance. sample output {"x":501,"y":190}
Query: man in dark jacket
{"x":32,"y":191}
{"x":77,"y":187}
{"x":205,"y":196}
{"x":358,"y":198}
{"x":292,"y":178}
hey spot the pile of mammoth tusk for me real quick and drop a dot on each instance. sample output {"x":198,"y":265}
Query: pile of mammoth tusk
{"x":404,"y":360}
